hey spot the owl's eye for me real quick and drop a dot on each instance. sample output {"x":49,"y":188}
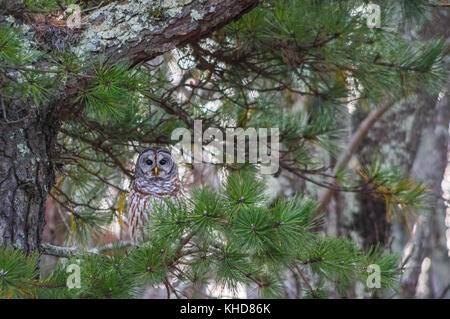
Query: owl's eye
{"x":162,"y":162}
{"x":149,"y":162}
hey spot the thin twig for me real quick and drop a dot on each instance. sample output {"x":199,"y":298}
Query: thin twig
{"x":313,"y":291}
{"x":167,"y":289}
{"x":444,"y":292}
{"x":345,"y":157}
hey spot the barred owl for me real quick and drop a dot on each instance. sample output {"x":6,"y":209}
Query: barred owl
{"x":156,"y":179}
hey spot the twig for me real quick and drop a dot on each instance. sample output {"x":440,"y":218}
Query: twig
{"x":444,"y":292}
{"x":101,"y":147}
{"x":93,"y":8}
{"x":313,"y":291}
{"x":167,"y":289}
{"x":12,"y":121}
{"x":177,"y":254}
{"x":440,"y":5}
{"x":250,"y":276}
{"x":174,"y":290}
{"x":44,"y":285}
{"x":403,"y":265}
{"x":67,"y":252}
{"x":345,"y":157}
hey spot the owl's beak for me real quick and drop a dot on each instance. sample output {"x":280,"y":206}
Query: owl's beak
{"x":156,"y":170}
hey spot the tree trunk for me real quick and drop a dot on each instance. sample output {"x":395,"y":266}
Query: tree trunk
{"x":429,"y":237}
{"x":135,"y":31}
{"x":26,"y":174}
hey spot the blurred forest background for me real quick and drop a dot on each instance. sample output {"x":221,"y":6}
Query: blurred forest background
{"x":363,"y":114}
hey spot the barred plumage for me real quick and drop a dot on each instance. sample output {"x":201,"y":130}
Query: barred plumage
{"x":156,"y":180}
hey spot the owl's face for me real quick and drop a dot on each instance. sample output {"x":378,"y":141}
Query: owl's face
{"x":156,"y":163}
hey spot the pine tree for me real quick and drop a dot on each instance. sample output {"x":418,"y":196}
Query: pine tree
{"x":78,"y":104}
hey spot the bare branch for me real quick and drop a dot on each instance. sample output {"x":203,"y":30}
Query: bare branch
{"x":67,"y":252}
{"x":347,"y":154}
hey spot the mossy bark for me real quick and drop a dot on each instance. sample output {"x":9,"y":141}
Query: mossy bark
{"x":26,"y":174}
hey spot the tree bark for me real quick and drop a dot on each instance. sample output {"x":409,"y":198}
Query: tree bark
{"x":141,"y":30}
{"x":136,"y":31}
{"x":26,"y":174}
{"x":429,"y":239}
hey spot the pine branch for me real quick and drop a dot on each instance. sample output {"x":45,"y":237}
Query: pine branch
{"x":99,"y":145}
{"x":151,"y":42}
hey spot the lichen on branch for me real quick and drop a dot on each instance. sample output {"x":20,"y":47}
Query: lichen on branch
{"x":142,"y":29}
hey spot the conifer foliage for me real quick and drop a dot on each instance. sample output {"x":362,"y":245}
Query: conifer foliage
{"x":230,"y":238}
{"x":249,"y":73}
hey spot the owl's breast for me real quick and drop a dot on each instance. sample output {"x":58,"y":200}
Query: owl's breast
{"x":141,"y":207}
{"x":137,"y":214}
